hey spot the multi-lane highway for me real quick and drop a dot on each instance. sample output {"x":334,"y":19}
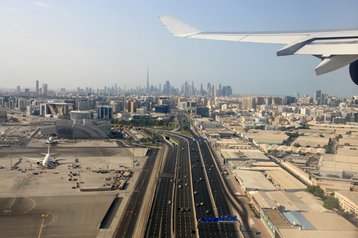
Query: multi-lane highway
{"x":184,"y":212}
{"x":160,"y":220}
{"x":220,"y":196}
{"x":223,"y":196}
{"x":173,"y":209}
{"x":129,"y":218}
{"x":209,"y":197}
{"x":203,"y":198}
{"x":189,"y":187}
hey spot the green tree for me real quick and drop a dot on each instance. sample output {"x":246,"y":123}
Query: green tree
{"x":310,"y":189}
{"x":331,"y":203}
{"x":317,"y":191}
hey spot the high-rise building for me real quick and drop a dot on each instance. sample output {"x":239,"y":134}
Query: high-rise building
{"x":318,"y":94}
{"x":208,"y":89}
{"x":18,"y":89}
{"x":148,"y":87}
{"x":104,"y":112}
{"x":226,"y":91}
{"x":37,"y":88}
{"x":44,"y":89}
{"x":132,"y":106}
{"x":167,"y":88}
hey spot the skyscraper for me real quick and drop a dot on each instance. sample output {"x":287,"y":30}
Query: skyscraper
{"x":318,"y":94}
{"x":44,"y":89}
{"x":167,"y":88}
{"x":148,"y":87}
{"x":37,"y":88}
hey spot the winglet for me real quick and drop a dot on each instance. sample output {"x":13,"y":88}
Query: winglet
{"x":178,"y":28}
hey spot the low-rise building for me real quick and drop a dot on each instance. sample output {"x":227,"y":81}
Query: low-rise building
{"x":348,"y":201}
{"x":80,"y":115}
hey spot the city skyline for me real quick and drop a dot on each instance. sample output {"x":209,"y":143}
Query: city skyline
{"x":75,"y":45}
{"x":185,"y":89}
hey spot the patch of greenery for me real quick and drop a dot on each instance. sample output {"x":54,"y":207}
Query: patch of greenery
{"x":162,"y":124}
{"x":317,"y":191}
{"x":175,"y":140}
{"x":185,"y":133}
{"x":331,"y":203}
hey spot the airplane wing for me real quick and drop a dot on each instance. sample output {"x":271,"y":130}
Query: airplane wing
{"x":336,"y":48}
{"x":32,"y":159}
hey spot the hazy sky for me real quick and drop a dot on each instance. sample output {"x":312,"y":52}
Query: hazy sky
{"x":69,"y":43}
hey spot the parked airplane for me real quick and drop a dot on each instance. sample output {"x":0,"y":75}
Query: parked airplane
{"x":47,"y":162}
{"x":335,"y":48}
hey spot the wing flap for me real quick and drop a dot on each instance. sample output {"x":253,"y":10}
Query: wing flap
{"x":327,"y":47}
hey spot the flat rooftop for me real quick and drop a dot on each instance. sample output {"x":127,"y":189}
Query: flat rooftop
{"x":253,"y":180}
{"x":296,"y":233}
{"x":267,"y":136}
{"x":329,"y":221}
{"x":312,"y":140}
{"x":291,"y":201}
{"x":276,"y":218}
{"x":243,"y":153}
{"x":284,"y":180}
{"x":353,"y":196}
